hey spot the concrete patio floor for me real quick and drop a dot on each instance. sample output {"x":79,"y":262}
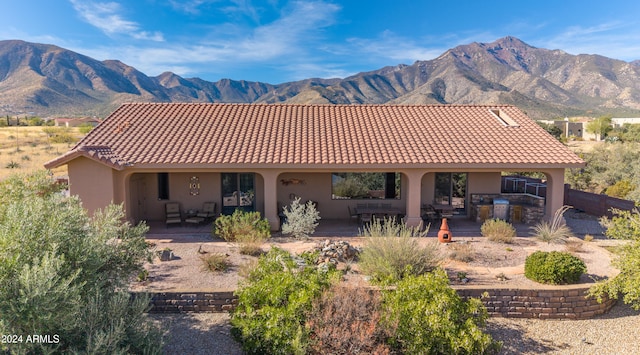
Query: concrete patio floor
{"x":458,"y":226}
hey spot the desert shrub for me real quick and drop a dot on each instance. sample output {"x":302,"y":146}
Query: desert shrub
{"x":274,"y":301}
{"x":242,"y":225}
{"x":427,"y":316}
{"x":554,"y":267}
{"x":250,"y":244}
{"x":392,"y":252}
{"x":574,"y":245}
{"x":346,"y":320}
{"x":215,"y":262}
{"x":588,"y":238}
{"x":623,"y":225}
{"x":302,"y":219}
{"x":555,"y":231}
{"x":12,"y":165}
{"x":461,"y":252}
{"x":497,"y":230}
{"x":67,"y":273}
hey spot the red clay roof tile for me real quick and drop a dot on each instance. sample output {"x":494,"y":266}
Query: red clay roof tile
{"x":201,"y":133}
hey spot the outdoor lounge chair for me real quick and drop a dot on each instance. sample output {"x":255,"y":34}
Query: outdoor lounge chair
{"x":208,"y":210}
{"x":172,"y":213}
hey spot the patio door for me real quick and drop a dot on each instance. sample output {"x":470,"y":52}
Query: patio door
{"x":238,"y":192}
{"x":451,"y":189}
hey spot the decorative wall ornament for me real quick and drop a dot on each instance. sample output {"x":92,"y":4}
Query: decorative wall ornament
{"x":287,"y":182}
{"x":194,"y":186}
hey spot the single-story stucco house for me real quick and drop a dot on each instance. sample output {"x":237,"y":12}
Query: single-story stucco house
{"x":262,"y":156}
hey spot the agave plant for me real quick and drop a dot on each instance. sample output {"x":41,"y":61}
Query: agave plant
{"x":555,"y":231}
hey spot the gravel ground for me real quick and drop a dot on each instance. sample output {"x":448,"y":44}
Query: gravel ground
{"x":197,"y":333}
{"x":616,"y":332}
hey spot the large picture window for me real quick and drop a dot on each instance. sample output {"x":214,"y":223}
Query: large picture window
{"x":365,"y":186}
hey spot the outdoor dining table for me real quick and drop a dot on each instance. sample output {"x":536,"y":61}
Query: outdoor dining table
{"x":444,"y":210}
{"x":379,"y":211}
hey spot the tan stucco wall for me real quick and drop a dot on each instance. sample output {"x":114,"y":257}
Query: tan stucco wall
{"x":481,"y":182}
{"x":92,"y":181}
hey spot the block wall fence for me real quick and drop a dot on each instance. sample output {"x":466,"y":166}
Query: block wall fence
{"x":562,"y":302}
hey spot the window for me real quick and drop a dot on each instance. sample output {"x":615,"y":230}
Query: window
{"x":365,"y":186}
{"x":163,"y":186}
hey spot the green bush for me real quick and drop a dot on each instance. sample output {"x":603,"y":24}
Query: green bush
{"x":497,"y":230}
{"x":426,"y":316}
{"x":554,"y":267}
{"x":392,"y":252}
{"x":274,"y":301}
{"x":302,"y":219}
{"x":625,"y":225}
{"x":242,"y":225}
{"x":66,"y":273}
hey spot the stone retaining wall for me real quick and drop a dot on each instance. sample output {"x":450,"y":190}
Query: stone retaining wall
{"x":564,"y":302}
{"x":198,"y":302}
{"x":558,"y":303}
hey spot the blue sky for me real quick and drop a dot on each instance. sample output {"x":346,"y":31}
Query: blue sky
{"x":278,"y":41}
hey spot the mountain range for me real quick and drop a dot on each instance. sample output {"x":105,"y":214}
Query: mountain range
{"x":45,"y":80}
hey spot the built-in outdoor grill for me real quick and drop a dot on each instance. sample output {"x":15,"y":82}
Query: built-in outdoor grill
{"x":501,"y":209}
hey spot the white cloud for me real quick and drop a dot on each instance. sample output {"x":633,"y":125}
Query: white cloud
{"x":389,"y":46}
{"x":106,"y":17}
{"x":613,"y":39}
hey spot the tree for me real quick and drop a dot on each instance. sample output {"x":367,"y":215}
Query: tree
{"x":551,"y":129}
{"x":624,"y":225}
{"x":600,"y":126}
{"x":65,"y":274}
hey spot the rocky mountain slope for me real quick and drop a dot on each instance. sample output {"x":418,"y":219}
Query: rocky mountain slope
{"x":48,"y":80}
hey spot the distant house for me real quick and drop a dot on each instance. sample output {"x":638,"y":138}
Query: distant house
{"x":75,"y":122}
{"x":573,"y":128}
{"x":619,"y":122}
{"x":262,"y":156}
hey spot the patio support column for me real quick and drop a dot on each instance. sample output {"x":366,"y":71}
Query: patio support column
{"x":555,"y":192}
{"x":271,"y":198}
{"x":414,"y":193}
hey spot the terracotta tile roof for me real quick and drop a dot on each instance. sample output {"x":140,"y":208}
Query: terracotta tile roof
{"x":139,"y":134}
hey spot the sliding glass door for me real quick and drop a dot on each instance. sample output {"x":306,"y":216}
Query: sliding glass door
{"x":451,"y":189}
{"x":238,"y":192}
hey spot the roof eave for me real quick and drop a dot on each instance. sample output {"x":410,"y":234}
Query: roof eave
{"x":77,"y":153}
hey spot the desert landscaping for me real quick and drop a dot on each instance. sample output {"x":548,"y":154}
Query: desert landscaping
{"x":470,"y":261}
